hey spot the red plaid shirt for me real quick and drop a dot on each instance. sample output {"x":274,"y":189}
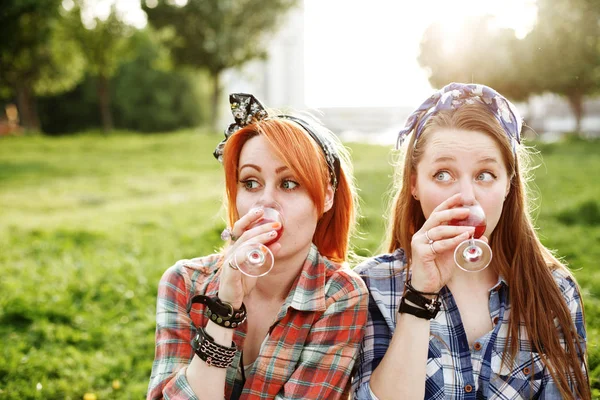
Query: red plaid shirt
{"x":309,"y":353}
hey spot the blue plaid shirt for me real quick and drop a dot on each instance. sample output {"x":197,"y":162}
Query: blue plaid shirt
{"x":455,"y":369}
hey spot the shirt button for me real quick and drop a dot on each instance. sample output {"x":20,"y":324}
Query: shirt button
{"x":477,"y":346}
{"x":526,"y":370}
{"x":468,"y":388}
{"x":496,"y":319}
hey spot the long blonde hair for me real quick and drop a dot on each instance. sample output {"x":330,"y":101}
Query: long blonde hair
{"x":519,"y":256}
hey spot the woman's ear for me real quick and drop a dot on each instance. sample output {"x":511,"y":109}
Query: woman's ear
{"x":413,"y":187}
{"x":508,"y":185}
{"x":329,"y":195}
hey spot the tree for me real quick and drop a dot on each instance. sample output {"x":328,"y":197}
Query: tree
{"x":478,"y":52}
{"x":105,"y":45}
{"x":566,"y":47}
{"x":560,"y":55}
{"x":36,"y":54}
{"x":147,"y":94}
{"x":218,"y":34}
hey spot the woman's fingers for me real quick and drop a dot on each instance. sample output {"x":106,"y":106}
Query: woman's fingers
{"x":445,"y":217}
{"x":441,"y":232}
{"x":246,"y":220}
{"x":261,"y":233}
{"x":443,"y":245}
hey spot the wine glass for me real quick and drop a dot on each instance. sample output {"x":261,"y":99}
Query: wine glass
{"x":255,"y":259}
{"x":473,"y":255}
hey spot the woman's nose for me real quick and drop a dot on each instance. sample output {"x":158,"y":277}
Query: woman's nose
{"x":467,"y":192}
{"x":268,"y":196}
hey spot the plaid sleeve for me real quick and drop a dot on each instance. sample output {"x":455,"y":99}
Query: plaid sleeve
{"x":383,"y":281}
{"x":375,"y":343}
{"x":328,"y":356}
{"x":173,"y":334}
{"x":572,"y":297}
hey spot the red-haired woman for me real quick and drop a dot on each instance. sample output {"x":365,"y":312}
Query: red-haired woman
{"x":513,"y":330}
{"x":295,"y":332}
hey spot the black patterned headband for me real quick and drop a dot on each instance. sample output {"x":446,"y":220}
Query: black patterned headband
{"x":247,"y":109}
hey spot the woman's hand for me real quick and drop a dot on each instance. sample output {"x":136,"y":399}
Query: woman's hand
{"x":233,"y":284}
{"x":432,"y":263}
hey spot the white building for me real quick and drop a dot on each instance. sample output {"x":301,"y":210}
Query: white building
{"x":277,"y":81}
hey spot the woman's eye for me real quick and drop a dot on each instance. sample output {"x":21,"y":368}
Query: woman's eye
{"x":289,"y":185}
{"x":486,"y":177}
{"x":442,"y":176}
{"x":250,"y":184}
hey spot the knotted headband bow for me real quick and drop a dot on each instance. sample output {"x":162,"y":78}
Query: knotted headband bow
{"x":455,"y":95}
{"x":247,"y":109}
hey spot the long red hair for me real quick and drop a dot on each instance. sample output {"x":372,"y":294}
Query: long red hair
{"x":302,"y":155}
{"x":519,"y":256}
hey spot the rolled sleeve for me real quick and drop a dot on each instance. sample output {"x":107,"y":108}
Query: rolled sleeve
{"x":174,"y":330}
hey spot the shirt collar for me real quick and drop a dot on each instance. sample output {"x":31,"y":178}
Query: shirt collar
{"x":501,"y":282}
{"x":308,"y":292}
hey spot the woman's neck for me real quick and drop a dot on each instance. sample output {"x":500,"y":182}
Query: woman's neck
{"x":461,"y":279}
{"x":277,"y":283}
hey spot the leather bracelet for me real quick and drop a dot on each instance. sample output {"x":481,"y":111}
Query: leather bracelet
{"x":220,"y":312}
{"x":426,"y":308}
{"x":213,"y":354}
{"x":406,"y":308}
{"x":432,"y":306}
{"x":410,"y":287}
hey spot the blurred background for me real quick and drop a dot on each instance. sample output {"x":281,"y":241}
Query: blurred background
{"x":110,"y":111}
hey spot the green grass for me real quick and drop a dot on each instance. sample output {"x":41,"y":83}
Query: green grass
{"x":89,"y":223}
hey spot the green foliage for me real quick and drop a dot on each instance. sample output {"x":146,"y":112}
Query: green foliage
{"x":561,"y":55}
{"x":147,"y":95}
{"x":478,"y":52}
{"x":37,"y":56}
{"x":105,"y":44}
{"x":218,"y":34}
{"x":39,"y":49}
{"x":566,"y":47}
{"x":150,"y":96}
{"x":72,"y":111}
{"x":567,"y":39}
{"x":215,"y":35}
{"x":88,"y":224}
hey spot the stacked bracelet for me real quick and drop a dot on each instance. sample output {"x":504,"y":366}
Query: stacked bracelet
{"x":212,"y":353}
{"x":220,"y":312}
{"x":425,"y":308}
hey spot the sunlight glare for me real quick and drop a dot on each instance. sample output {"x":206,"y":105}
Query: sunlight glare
{"x":357,"y":55}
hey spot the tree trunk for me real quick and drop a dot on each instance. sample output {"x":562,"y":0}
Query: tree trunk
{"x":104,"y":103}
{"x":576,"y":103}
{"x":28,"y":115}
{"x":216,"y":97}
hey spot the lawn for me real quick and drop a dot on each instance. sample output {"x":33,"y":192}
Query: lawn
{"x":89,"y":223}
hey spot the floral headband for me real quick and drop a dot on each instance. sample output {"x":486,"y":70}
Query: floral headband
{"x":455,"y":95}
{"x":247,"y":109}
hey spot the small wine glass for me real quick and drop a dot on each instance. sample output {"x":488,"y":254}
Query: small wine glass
{"x":473,"y":255}
{"x":255,"y":259}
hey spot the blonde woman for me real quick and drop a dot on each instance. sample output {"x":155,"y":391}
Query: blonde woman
{"x":512,"y":330}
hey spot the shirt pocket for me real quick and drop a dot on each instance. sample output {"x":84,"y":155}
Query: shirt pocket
{"x":520,"y":379}
{"x":434,"y":370}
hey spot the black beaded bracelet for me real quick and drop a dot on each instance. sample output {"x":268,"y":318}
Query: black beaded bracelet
{"x":220,"y":312}
{"x":213,"y":354}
